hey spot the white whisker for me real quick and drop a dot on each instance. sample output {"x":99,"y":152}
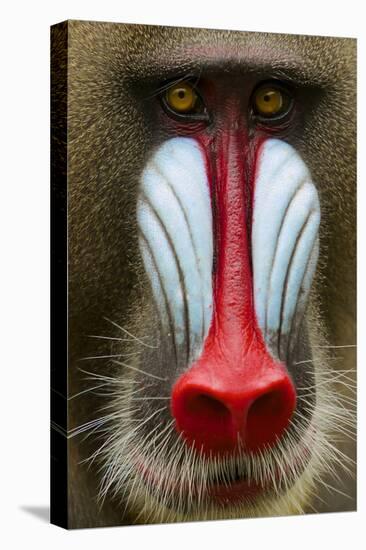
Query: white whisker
{"x":86,"y":391}
{"x":139,"y":340}
{"x":110,"y":338}
{"x":110,"y":356}
{"x":337,"y":347}
{"x":140,"y":371}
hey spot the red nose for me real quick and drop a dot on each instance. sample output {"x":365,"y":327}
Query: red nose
{"x":215,"y":407}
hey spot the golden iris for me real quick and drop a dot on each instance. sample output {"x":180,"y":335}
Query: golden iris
{"x":181,"y":97}
{"x":269,"y":101}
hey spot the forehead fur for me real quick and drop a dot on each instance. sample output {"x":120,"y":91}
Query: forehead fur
{"x":146,"y":50}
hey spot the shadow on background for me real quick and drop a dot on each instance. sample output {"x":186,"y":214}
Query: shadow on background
{"x":40,"y":512}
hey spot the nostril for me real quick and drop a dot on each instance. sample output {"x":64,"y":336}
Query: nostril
{"x":204,"y":404}
{"x":206,"y":412}
{"x":266,"y":406}
{"x":203,"y":418}
{"x":268,"y":416}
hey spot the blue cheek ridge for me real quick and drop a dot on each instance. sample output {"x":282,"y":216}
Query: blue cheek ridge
{"x":286,"y":220}
{"x":174,"y":214}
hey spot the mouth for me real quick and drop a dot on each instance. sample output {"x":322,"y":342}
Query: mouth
{"x":222,"y":489}
{"x":222,"y":493}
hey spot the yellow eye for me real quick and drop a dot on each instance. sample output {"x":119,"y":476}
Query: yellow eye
{"x":181,"y":97}
{"x":270,"y":101}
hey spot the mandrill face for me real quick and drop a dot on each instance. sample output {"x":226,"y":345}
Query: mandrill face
{"x":223,"y":200}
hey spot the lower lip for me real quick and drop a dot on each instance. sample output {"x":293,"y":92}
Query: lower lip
{"x":236,"y":492}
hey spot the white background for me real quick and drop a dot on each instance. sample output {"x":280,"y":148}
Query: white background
{"x":24,"y":273}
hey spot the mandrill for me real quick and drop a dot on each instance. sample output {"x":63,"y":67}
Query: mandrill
{"x":208,"y":203}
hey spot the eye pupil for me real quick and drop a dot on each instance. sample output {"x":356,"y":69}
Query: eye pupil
{"x":181,"y":94}
{"x":267,"y":98}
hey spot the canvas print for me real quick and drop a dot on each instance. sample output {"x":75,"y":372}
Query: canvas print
{"x":203,"y":274}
